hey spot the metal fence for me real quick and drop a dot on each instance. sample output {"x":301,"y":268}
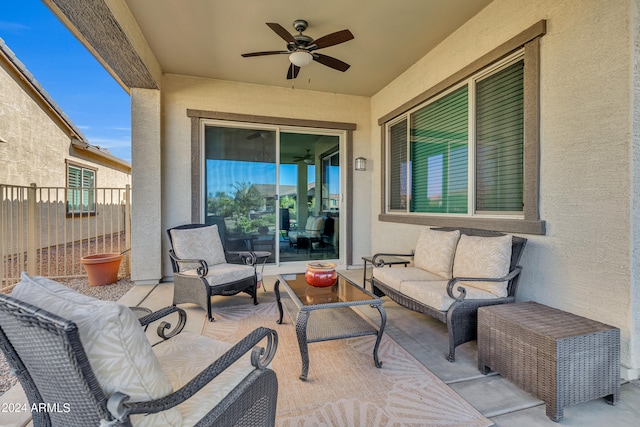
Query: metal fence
{"x":45,"y":231}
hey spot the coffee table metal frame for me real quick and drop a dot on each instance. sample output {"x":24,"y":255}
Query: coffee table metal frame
{"x":333,"y":312}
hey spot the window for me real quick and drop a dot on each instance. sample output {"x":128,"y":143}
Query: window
{"x":466,"y":151}
{"x":461,"y":153}
{"x":81,"y":192}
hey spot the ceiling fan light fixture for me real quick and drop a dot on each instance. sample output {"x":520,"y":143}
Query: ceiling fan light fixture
{"x":300,"y":58}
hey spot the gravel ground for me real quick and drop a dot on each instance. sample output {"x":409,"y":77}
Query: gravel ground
{"x":111,"y":292}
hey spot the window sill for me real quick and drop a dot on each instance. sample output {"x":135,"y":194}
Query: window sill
{"x":495,"y":224}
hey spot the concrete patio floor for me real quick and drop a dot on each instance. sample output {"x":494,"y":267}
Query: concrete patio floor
{"x":426,"y":339}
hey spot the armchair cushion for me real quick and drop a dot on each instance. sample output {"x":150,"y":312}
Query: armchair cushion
{"x":185,"y":356}
{"x":116,"y":346}
{"x":435,"y":251}
{"x":313,"y":228}
{"x":310,"y":223}
{"x":199,"y":243}
{"x":317,"y":226}
{"x":221,"y":274}
{"x":484,"y":257}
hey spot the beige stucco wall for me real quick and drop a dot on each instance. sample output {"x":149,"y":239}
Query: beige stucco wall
{"x":583,"y":264}
{"x":181,"y":93}
{"x":32,"y":139}
{"x":635,"y":185}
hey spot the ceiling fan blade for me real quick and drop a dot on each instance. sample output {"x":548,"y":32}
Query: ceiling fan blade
{"x":333,"y":39}
{"x":331,"y":62}
{"x":293,"y":72}
{"x":279,"y":30}
{"x":269,"y":52}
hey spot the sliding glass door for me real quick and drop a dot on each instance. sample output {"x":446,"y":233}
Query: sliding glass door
{"x":240,"y":186}
{"x":274,"y":190}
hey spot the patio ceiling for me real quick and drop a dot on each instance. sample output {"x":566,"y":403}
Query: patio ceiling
{"x":205,"y":38}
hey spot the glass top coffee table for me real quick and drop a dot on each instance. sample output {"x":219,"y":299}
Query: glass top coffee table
{"x":328,"y":313}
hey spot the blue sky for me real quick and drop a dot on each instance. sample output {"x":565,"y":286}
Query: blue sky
{"x":83,"y":89}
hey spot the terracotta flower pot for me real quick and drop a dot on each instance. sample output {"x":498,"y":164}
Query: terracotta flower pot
{"x":102,"y":269}
{"x":320,"y":274}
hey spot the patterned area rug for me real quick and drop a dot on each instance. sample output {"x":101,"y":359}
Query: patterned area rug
{"x":344,"y":387}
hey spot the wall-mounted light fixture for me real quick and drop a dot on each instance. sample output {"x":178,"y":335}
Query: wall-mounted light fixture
{"x":361,"y":164}
{"x":2,"y":139}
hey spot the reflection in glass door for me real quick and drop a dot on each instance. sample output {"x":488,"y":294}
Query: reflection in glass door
{"x":309,"y":196}
{"x":240,"y":187}
{"x":296,"y":220}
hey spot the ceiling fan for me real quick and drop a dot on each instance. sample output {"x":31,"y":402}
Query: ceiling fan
{"x":307,"y":158}
{"x":302,"y":48}
{"x":260,"y":134}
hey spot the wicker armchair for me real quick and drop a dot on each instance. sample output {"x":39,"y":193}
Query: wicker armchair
{"x":461,"y":316}
{"x":57,"y":370}
{"x":203,"y":268}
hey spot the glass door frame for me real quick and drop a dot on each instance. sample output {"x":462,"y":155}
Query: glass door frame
{"x":292,"y":266}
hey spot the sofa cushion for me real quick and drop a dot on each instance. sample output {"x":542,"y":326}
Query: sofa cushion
{"x":221,"y":274}
{"x":185,"y":356}
{"x":435,"y":251}
{"x":484,"y":257}
{"x":434,"y":293}
{"x":198,"y":243}
{"x":119,"y":353}
{"x":395,"y":276}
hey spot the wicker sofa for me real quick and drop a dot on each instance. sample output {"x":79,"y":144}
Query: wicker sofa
{"x":454,"y":271}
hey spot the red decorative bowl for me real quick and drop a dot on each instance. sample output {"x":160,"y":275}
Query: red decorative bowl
{"x":314,"y":295}
{"x":321,"y":274}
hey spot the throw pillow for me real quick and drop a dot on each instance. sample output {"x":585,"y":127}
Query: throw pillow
{"x":435,"y":251}
{"x":484,"y":257}
{"x":118,"y":350}
{"x":199,"y":243}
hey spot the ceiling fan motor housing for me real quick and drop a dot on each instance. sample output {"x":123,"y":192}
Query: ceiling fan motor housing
{"x":302,"y":41}
{"x":300,"y":25}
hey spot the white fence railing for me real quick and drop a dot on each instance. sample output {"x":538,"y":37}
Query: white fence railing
{"x":41,"y":234}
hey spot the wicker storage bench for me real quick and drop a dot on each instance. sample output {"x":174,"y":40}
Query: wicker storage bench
{"x":562,"y":358}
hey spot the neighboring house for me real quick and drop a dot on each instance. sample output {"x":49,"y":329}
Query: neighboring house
{"x":39,"y":144}
{"x":47,"y":165}
{"x":575,"y":186}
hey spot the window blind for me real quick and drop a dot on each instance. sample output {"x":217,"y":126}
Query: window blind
{"x":81,"y":193}
{"x":74,"y":177}
{"x":500,"y":141}
{"x":439,"y":155}
{"x":398,"y":187}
